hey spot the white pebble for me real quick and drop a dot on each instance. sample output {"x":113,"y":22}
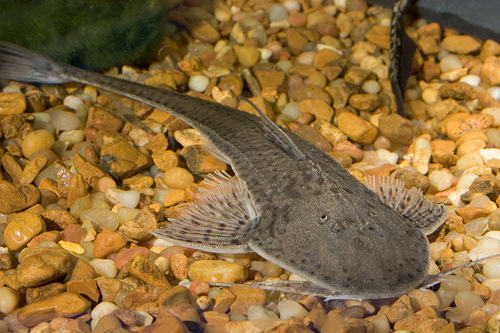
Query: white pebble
{"x":450,"y":62}
{"x":495,"y":112}
{"x":384,"y":154}
{"x":481,"y":201}
{"x":437,"y":249}
{"x":289,"y":308}
{"x":102,"y":309}
{"x":73,"y":137}
{"x":492,"y":284}
{"x":292,"y":110}
{"x":476,"y":227}
{"x":487,"y":246}
{"x":284,"y":65}
{"x":466,"y":181}
{"x":441,"y":179}
{"x":104,"y":267}
{"x":127,"y":214}
{"x":422,"y":144}
{"x":455,"y":198}
{"x":430,"y":95}
{"x":306,"y":58}
{"x":265,"y":54}
{"x":13,"y":88}
{"x":72,"y":102}
{"x":494,"y":92}
{"x":106,"y":219}
{"x":469,"y":160}
{"x":9,"y":299}
{"x":278,"y":12}
{"x":198,"y":83}
{"x":489,"y":154}
{"x":260,"y":313}
{"x":371,"y":87}
{"x":455,"y":282}
{"x":472,"y":80}
{"x":493,"y":234}
{"x":468,"y":301}
{"x":493,"y":135}
{"x":129,"y":199}
{"x":292,"y":5}
{"x":492,"y":268}
{"x":63,"y":120}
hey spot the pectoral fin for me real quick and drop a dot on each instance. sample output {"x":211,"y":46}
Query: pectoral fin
{"x":411,"y":204}
{"x":221,"y":219}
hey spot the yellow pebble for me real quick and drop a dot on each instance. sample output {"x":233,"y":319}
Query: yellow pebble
{"x":178,"y":178}
{"x":173,"y":197}
{"x":318,"y":79}
{"x":36,"y":140}
{"x":72,"y":247}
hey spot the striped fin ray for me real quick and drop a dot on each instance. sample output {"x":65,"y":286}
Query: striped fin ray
{"x":411,"y":204}
{"x":221,"y":219}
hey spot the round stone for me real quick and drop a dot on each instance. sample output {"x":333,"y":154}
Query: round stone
{"x":21,"y":229}
{"x":9,"y":299}
{"x":177,"y":177}
{"x":36,"y":140}
{"x":198,"y":83}
{"x":278,"y":12}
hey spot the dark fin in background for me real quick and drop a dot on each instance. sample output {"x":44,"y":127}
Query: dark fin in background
{"x":20,"y":64}
{"x":402,"y":51}
{"x":221,"y":219}
{"x":411,"y":204}
{"x":276,"y":134}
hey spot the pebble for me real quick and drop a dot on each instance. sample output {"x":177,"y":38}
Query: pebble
{"x":104,"y":267}
{"x":9,"y":299}
{"x":217,"y":271}
{"x":245,"y":297}
{"x":292,"y":110}
{"x":441,"y":180}
{"x":310,"y":134}
{"x":461,"y":44}
{"x":102,"y":216}
{"x":278,"y":12}
{"x":123,"y":257}
{"x":108,"y":242}
{"x":63,"y":120}
{"x":22,"y":229}
{"x":145,"y":270}
{"x":65,"y":305}
{"x":40,"y":265}
{"x":247,"y":55}
{"x":289,"y":308}
{"x":198,"y":83}
{"x":37,"y":140}
{"x":177,"y":177}
{"x":356,"y":128}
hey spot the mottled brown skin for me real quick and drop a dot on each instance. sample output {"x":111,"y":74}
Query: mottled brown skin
{"x":316,"y":220}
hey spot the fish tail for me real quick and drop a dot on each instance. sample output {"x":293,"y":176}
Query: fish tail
{"x":20,"y":64}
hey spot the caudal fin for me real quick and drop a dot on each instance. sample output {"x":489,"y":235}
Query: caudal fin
{"x":20,"y":64}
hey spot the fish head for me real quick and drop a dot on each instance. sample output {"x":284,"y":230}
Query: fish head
{"x":341,"y":236}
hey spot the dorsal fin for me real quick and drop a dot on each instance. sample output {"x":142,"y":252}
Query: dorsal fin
{"x":221,"y":219}
{"x":276,"y":134}
{"x":402,"y":52}
{"x":411,"y":204}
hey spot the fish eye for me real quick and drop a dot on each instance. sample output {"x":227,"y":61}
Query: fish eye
{"x":323,"y":218}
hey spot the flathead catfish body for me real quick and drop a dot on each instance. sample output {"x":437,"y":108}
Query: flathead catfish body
{"x":301,"y":209}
